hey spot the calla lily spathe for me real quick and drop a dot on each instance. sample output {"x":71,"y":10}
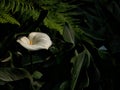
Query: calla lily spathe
{"x":35,"y":41}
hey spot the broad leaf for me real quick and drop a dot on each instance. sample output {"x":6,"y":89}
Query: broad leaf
{"x":83,"y":81}
{"x":68,"y":34}
{"x":64,"y":86}
{"x":13,"y":74}
{"x":80,"y":60}
{"x":86,"y":81}
{"x":37,"y":75}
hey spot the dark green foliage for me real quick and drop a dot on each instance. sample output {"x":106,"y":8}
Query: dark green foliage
{"x":68,"y":34}
{"x":75,"y":61}
{"x":79,"y":61}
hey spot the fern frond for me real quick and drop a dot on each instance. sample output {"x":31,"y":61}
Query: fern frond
{"x":59,"y":13}
{"x":7,"y":6}
{"x":2,"y":20}
{"x":2,"y":4}
{"x":6,"y":18}
{"x":50,"y":23}
{"x":12,"y":6}
{"x":17,"y":8}
{"x":24,"y":8}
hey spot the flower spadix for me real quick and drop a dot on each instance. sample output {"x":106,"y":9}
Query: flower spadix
{"x":35,"y":41}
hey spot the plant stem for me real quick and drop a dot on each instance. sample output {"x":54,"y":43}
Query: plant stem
{"x":31,"y":62}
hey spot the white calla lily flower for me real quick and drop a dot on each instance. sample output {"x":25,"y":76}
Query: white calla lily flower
{"x":35,"y":41}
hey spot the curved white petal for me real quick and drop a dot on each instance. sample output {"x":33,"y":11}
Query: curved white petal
{"x":39,"y":41}
{"x":33,"y":47}
{"x":24,"y":40}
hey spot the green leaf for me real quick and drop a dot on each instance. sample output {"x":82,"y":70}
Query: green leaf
{"x":22,"y":7}
{"x":77,"y":65}
{"x":13,"y":6}
{"x":64,"y":86}
{"x":2,"y":20}
{"x":50,"y":23}
{"x":68,"y":34}
{"x":87,"y":59}
{"x":37,"y":75}
{"x":6,"y":18}
{"x":2,"y":4}
{"x":17,"y":8}
{"x":78,"y":62}
{"x":7,"y":7}
{"x":84,"y":81}
{"x":13,"y":74}
{"x":7,"y":57}
{"x":87,"y":80}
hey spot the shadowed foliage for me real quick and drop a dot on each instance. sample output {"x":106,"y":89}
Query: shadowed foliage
{"x":85,"y":48}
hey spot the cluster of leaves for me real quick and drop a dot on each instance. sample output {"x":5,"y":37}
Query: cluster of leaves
{"x":74,"y":61}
